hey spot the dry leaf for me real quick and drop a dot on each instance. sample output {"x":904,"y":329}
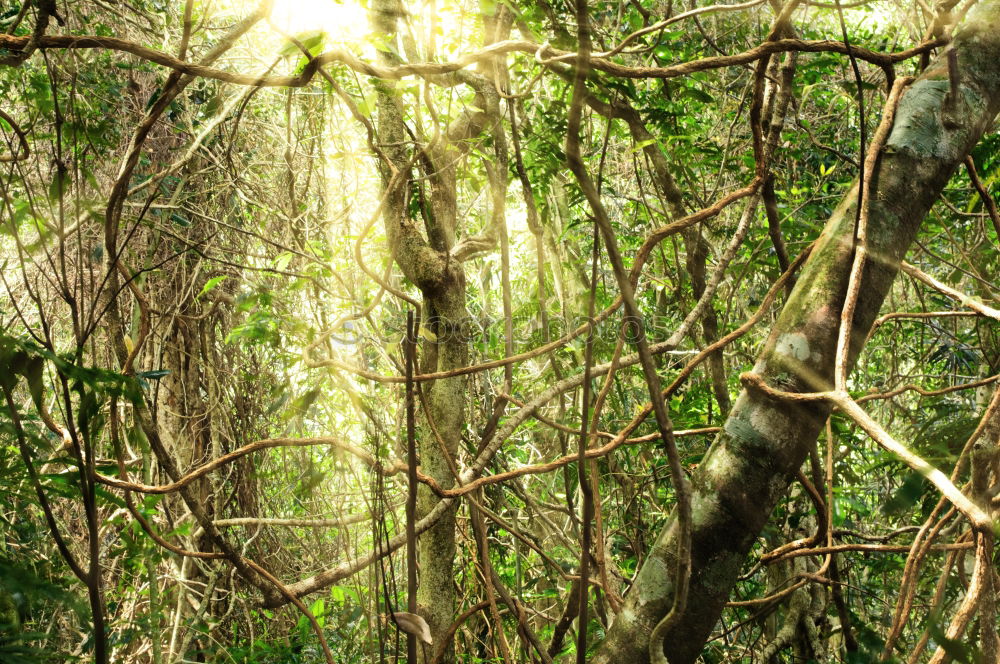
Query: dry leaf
{"x":411,"y":623}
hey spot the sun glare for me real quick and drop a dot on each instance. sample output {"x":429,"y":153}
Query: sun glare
{"x":344,"y":22}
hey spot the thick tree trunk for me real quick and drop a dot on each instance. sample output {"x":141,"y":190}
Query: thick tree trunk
{"x":445,"y":417}
{"x":749,"y":467}
{"x":426,"y":261}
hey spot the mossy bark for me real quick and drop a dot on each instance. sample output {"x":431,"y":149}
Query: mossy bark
{"x":752,"y":462}
{"x":424,"y":256}
{"x":446,"y":407}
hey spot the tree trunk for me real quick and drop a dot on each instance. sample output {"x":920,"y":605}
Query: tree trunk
{"x":446,"y":404}
{"x":751,"y":463}
{"x":427,"y":262}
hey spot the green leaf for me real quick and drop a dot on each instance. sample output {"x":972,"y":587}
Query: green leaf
{"x":698,"y":95}
{"x":110,"y":497}
{"x":641,"y":145}
{"x":57,"y":188}
{"x":210,"y":284}
{"x":312,"y":40}
{"x":182,"y":530}
{"x":906,"y":495}
{"x":33,"y":373}
{"x":282,"y":261}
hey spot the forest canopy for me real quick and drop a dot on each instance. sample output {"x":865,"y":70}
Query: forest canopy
{"x":449,"y":331}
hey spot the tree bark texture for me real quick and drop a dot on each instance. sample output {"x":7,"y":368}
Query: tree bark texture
{"x":424,"y":257}
{"x":753,"y":460}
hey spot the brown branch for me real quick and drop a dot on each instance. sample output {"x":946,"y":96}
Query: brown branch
{"x":287,"y":594}
{"x":721,"y":343}
{"x":543,"y":52}
{"x":22,"y":139}
{"x":979,"y":519}
{"x":476,"y":368}
{"x":854,"y":282}
{"x":928,"y":393}
{"x":882,"y":320}
{"x":988,"y":202}
{"x":868,"y":548}
{"x":981,"y":580}
{"x":267,"y":443}
{"x":293,"y":523}
{"x":332,"y":575}
{"x":965,"y":300}
{"x":539,"y":469}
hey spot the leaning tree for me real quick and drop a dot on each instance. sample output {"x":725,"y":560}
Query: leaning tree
{"x":422,"y":317}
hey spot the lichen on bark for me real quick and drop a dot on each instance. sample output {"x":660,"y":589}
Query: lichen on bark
{"x":753,"y":460}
